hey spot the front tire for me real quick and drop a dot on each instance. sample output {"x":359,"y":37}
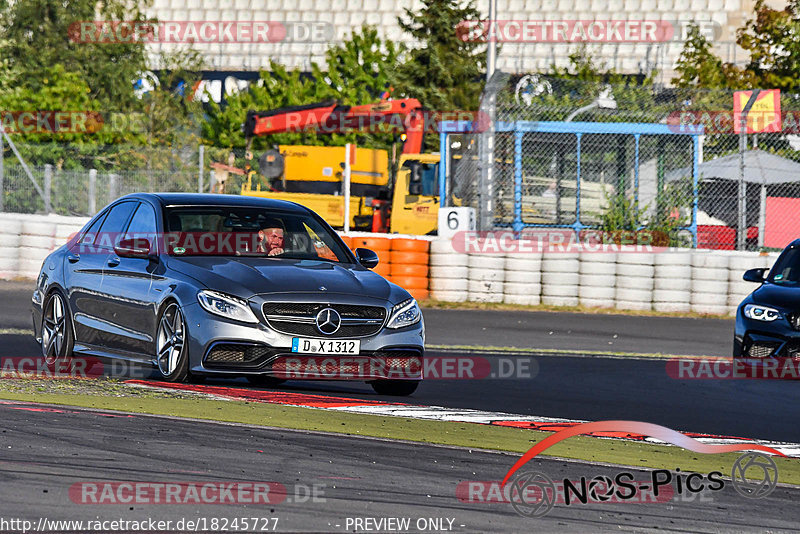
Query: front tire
{"x":57,"y":337}
{"x":172,"y":355}
{"x":395,"y":388}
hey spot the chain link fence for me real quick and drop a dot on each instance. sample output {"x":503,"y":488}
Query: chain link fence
{"x":79,"y":180}
{"x":625,"y":156}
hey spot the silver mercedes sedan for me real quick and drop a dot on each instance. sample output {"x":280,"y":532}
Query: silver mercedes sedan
{"x":221,"y":285}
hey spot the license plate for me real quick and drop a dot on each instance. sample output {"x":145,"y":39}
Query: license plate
{"x":325,"y":346}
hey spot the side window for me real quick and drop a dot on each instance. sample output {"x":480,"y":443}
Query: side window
{"x":114,"y":224}
{"x":143,"y":223}
{"x":89,"y":235}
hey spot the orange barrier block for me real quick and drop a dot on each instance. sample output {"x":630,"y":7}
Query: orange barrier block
{"x":419,"y":294}
{"x":410,"y":258}
{"x":411,"y":282}
{"x":403,"y":269}
{"x":372,"y":243}
{"x":410,"y":245}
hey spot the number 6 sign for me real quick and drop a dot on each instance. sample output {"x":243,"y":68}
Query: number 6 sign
{"x":453,"y":220}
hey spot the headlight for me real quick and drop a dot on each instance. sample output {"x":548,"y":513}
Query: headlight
{"x":226,"y":306}
{"x":761,"y":313}
{"x":405,"y":314}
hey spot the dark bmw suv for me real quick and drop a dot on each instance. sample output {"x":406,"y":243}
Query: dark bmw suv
{"x":768,"y":320}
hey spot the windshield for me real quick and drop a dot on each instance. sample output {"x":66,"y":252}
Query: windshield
{"x":787,"y":269}
{"x":247,"y":231}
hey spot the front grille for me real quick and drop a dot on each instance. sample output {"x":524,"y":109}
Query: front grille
{"x":238,"y":355}
{"x":761,"y":350}
{"x":298,"y":319}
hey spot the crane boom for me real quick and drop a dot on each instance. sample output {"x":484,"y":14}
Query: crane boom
{"x":331,"y":117}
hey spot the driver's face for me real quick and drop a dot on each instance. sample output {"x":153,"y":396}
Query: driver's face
{"x":273,"y":236}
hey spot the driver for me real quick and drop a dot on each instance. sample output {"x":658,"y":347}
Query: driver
{"x":271,"y":237}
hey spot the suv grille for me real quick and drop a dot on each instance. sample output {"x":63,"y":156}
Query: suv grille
{"x":299,"y":319}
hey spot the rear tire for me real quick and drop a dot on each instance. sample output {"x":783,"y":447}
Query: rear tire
{"x":395,"y":388}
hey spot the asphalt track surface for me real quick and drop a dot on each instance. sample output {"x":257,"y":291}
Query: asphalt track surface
{"x":45,"y":451}
{"x":580,"y":388}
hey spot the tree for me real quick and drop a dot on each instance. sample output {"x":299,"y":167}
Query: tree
{"x":42,"y":33}
{"x":446,"y":72}
{"x":697,"y":66}
{"x":358,"y":71}
{"x":769,"y":39}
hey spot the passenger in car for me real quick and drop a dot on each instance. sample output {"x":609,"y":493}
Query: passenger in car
{"x":271,"y":237}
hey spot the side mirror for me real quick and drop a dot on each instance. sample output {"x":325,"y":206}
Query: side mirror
{"x":755,"y":275}
{"x":367,"y":258}
{"x":133,"y":248}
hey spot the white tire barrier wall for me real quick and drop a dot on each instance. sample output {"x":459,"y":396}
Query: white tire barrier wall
{"x":448,"y":272}
{"x":672,"y":282}
{"x":635,"y":271}
{"x":10,"y":239}
{"x":710,"y":283}
{"x":707,"y":282}
{"x":486,"y":277}
{"x":738,"y":289}
{"x":597,"y":279}
{"x":523,"y":278}
{"x":560,"y":278}
{"x":26,"y":240}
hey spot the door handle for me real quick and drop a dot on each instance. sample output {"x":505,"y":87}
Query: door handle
{"x":113,"y":262}
{"x":72,"y":257}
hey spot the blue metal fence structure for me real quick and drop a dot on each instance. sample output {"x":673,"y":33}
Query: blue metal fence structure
{"x":578,"y":129}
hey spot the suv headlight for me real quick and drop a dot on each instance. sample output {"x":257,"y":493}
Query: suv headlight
{"x":226,"y":306}
{"x":404,"y":314}
{"x":761,"y":313}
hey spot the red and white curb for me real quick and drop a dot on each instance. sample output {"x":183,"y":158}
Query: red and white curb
{"x":438,"y":413}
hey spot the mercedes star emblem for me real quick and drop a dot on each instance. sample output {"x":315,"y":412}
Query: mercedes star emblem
{"x":328,"y":321}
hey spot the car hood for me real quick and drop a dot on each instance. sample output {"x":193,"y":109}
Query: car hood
{"x":787,"y":297}
{"x":245,"y":277}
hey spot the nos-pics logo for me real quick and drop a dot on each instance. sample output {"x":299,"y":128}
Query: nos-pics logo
{"x":533,"y":494}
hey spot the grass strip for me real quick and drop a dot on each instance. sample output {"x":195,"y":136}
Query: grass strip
{"x":468,"y":435}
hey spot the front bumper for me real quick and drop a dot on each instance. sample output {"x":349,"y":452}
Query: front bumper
{"x":759,"y":339}
{"x":221,"y":347}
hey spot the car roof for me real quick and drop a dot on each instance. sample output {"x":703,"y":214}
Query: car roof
{"x":209,"y":199}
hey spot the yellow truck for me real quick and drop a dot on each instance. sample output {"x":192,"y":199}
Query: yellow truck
{"x":312,"y":176}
